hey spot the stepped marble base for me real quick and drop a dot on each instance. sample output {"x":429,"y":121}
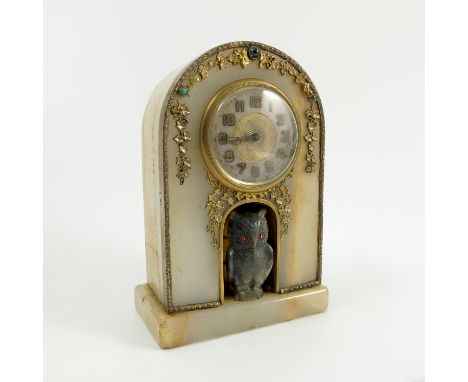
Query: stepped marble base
{"x":172,"y":330}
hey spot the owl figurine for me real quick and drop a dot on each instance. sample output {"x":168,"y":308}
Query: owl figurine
{"x":249,"y":256}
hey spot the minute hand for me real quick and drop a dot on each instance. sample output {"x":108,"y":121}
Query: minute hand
{"x":247,"y":138}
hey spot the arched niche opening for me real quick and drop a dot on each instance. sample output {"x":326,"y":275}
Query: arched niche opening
{"x":271,"y":283}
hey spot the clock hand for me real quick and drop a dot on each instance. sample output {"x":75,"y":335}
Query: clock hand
{"x":247,"y":138}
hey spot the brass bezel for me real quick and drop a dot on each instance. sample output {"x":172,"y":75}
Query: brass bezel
{"x":213,"y":165}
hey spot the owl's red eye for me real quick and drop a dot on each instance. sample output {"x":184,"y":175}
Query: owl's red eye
{"x":262,"y":235}
{"x":243,"y":238}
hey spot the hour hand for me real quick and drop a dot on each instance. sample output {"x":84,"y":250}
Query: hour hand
{"x":247,"y":138}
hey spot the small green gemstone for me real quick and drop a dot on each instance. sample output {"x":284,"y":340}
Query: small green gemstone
{"x":183,"y":90}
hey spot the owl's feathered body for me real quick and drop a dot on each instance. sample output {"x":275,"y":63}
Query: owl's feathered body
{"x":249,"y":256}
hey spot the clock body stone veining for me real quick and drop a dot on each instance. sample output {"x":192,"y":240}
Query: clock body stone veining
{"x":233,"y":149}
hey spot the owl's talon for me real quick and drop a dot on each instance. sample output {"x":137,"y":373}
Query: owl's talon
{"x":258,"y":292}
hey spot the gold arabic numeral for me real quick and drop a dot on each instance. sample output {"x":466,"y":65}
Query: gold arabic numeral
{"x":239,"y":106}
{"x":222,"y":138}
{"x":284,"y":136}
{"x":241,"y":166}
{"x":269,"y":166}
{"x":255,"y":171}
{"x":281,"y":153}
{"x":280,"y":119}
{"x":229,"y":156}
{"x":229,"y":119}
{"x":255,"y":101}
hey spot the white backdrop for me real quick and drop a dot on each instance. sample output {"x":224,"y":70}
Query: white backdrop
{"x":103,"y":59}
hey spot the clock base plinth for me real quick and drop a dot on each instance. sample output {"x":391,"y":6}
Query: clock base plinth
{"x":173,"y":330}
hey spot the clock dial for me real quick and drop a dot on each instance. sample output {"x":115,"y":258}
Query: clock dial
{"x":250,"y":134}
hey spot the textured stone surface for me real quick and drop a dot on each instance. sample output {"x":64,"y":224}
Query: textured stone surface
{"x":172,"y":330}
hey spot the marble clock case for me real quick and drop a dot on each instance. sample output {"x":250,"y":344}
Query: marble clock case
{"x":185,"y":298}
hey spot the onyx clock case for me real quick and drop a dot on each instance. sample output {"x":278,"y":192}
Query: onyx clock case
{"x":233,"y":149}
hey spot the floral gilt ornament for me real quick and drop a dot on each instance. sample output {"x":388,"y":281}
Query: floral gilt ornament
{"x":180,"y":113}
{"x":223,"y":197}
{"x":310,"y":139}
{"x":241,"y":57}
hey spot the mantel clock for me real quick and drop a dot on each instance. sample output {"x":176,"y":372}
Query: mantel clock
{"x":233,"y":147}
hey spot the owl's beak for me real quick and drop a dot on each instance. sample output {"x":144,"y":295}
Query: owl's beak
{"x":254,"y":241}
